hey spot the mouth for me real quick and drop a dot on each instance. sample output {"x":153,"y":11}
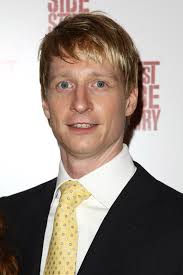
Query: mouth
{"x":82,"y":128}
{"x":82,"y":125}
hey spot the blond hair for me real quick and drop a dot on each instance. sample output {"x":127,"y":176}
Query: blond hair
{"x":97,"y":37}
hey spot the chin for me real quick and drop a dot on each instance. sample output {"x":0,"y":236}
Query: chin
{"x":82,"y":151}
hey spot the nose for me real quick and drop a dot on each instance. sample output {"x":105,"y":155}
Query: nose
{"x":81,"y":100}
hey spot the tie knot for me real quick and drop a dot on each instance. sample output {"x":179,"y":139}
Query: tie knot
{"x":73,"y":193}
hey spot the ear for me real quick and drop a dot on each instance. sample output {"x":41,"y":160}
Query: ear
{"x":46,"y":108}
{"x":131,"y":102}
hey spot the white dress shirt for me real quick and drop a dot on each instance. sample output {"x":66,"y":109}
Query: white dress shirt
{"x":105,"y":184}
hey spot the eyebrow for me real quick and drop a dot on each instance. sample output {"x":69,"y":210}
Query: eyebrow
{"x":66,"y":74}
{"x":107,"y":74}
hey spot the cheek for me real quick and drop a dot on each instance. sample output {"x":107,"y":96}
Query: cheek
{"x":56,"y":108}
{"x":115,"y":109}
{"x":116,"y":116}
{"x":56,"y":117}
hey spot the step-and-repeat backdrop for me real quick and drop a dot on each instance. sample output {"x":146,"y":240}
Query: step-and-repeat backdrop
{"x":28,"y":150}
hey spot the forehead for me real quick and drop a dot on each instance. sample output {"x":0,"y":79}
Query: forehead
{"x":84,"y":65}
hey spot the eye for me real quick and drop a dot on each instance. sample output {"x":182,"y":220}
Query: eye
{"x":64,"y":85}
{"x":100,"y":84}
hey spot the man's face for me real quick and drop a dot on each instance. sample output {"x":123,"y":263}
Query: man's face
{"x":86,"y":107}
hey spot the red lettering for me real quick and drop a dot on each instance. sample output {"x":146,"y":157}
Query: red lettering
{"x":67,"y":5}
{"x":151,"y":68}
{"x":146,"y":120}
{"x":149,"y":120}
{"x":53,"y":6}
{"x":155,"y":116}
{"x":146,"y":78}
{"x":151,"y":107}
{"x":81,"y":6}
{"x":61,"y":6}
{"x":52,"y":21}
{"x":74,"y":6}
{"x":153,"y":96}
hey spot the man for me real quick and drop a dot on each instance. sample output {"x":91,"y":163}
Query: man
{"x":127,"y":222}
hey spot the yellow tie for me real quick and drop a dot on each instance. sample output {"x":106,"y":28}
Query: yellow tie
{"x":61,"y":259}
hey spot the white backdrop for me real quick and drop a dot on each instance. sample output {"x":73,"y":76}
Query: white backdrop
{"x":28,"y":151}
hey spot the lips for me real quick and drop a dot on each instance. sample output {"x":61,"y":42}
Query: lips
{"x":82,"y":125}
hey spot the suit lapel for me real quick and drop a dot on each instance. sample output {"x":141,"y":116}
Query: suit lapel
{"x":32,"y":242}
{"x":119,"y":229}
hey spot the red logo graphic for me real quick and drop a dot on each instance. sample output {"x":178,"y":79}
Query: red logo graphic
{"x":58,"y":9}
{"x":151,"y":91}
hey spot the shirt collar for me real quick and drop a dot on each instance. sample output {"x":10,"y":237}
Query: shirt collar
{"x":106,"y":182}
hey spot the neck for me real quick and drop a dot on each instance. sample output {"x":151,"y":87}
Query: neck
{"x":78,"y":166}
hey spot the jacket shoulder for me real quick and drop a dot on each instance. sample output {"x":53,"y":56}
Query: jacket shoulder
{"x":159,"y":198}
{"x":23,"y":197}
{"x":156,"y":185}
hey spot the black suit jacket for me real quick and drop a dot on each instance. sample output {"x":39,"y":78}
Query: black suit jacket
{"x":141,"y":234}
